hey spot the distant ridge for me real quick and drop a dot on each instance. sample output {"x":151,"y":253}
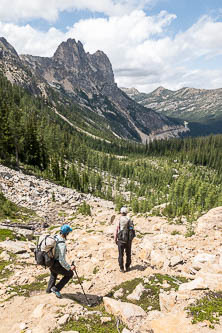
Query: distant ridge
{"x":202,"y":108}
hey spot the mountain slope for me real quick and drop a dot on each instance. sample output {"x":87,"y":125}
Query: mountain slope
{"x":74,"y":76}
{"x":91,"y":245}
{"x":201,"y":107}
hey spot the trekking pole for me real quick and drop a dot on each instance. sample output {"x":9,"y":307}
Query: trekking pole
{"x":88,"y":303}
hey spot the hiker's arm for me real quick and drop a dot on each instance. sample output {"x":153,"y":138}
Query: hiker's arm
{"x":62,"y":255}
{"x":116,"y":232}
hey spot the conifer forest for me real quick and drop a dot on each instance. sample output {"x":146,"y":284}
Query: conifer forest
{"x":176,"y":178}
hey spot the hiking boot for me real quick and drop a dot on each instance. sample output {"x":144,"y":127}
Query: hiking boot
{"x":56,"y":292}
{"x":127,"y":269}
{"x":48,"y":291}
{"x":121,"y":270}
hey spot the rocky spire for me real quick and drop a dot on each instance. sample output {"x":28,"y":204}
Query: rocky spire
{"x":6,"y":48}
{"x":71,"y":53}
{"x":103,"y":66}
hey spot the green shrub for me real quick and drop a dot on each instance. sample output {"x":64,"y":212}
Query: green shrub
{"x":9,"y":234}
{"x":6,"y":233}
{"x":7,"y":208}
{"x":150,"y":296}
{"x":5,"y":273}
{"x":10,"y":210}
{"x":119,"y":202}
{"x":207,"y":308}
{"x":27,"y":289}
{"x":84,"y":209}
{"x":175,"y":232}
{"x":190,"y":232}
{"x":95,"y":270}
{"x":92,"y":323}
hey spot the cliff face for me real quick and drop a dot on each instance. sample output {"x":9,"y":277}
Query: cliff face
{"x":14,"y":69}
{"x":88,"y":80}
{"x":74,"y":69}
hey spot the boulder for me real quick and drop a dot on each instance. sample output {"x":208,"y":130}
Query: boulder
{"x":176,"y":260}
{"x":172,"y":323}
{"x":26,"y":233}
{"x":198,"y":283}
{"x":202,"y":258}
{"x":118,"y":293}
{"x":14,"y":247}
{"x":109,"y":231}
{"x":137,"y":293}
{"x":23,"y":326}
{"x":157,"y":259}
{"x":212,"y":220}
{"x":146,"y":247}
{"x":111,"y":221}
{"x":129,"y":313}
{"x":155,"y":314}
{"x":64,"y":319}
{"x":39,"y":311}
{"x":5,"y":256}
{"x":167,"y":301}
{"x":212,"y":280}
{"x":105,"y":319}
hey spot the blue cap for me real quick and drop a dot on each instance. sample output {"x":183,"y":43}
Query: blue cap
{"x":65,"y":229}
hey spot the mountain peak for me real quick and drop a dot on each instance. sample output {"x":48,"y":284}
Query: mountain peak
{"x":6,"y":48}
{"x":130,"y":91}
{"x":70,"y":52}
{"x":159,"y":89}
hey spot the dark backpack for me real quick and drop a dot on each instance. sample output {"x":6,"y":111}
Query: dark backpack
{"x":132,"y":233}
{"x":45,"y":250}
{"x":123,"y":236}
{"x":127,"y":234}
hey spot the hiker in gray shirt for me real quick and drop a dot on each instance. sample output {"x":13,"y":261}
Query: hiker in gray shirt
{"x":60,"y":265}
{"x":124,"y":230}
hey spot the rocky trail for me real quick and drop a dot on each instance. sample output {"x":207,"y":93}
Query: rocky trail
{"x":170,"y":271}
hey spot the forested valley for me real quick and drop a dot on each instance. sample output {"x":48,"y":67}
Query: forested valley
{"x":179,"y":178}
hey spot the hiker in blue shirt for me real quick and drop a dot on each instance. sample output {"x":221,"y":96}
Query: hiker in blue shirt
{"x":60,"y":266}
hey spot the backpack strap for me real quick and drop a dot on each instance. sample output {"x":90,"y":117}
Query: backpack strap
{"x":47,"y":236}
{"x":40,"y":244}
{"x":58,"y":241}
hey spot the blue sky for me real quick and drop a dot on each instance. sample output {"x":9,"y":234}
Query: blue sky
{"x":188,"y":11}
{"x":150,"y":43}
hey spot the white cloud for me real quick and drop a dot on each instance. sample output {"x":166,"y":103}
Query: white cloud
{"x":142,"y":53}
{"x":144,"y":56}
{"x":204,"y":38}
{"x":14,"y":10}
{"x":122,"y":37}
{"x":27,"y":40}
